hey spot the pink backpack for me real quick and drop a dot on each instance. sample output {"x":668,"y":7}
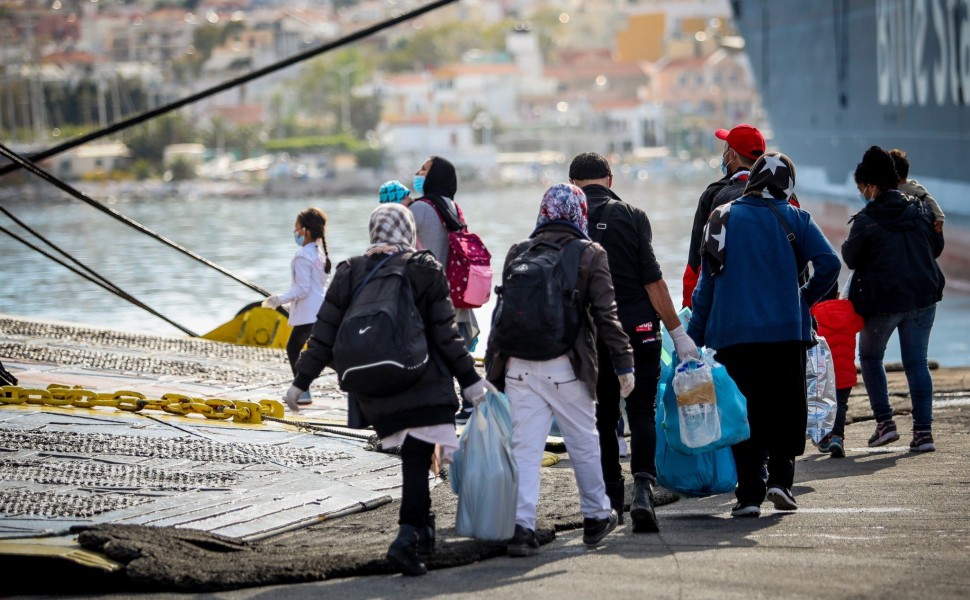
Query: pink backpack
{"x":469,"y":268}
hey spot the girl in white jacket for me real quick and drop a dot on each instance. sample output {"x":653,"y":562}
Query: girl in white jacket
{"x":309,"y":271}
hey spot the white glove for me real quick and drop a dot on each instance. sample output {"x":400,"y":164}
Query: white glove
{"x":685,"y":347}
{"x":627,"y":381}
{"x":291,"y":396}
{"x":476,"y":392}
{"x":272,"y":302}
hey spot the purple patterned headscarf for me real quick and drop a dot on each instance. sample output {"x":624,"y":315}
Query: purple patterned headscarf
{"x":564,"y":203}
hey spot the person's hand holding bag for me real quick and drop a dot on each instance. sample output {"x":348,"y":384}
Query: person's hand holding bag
{"x":685,"y":347}
{"x":476,"y":392}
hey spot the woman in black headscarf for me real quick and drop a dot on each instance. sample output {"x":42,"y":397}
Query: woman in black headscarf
{"x":435,"y":214}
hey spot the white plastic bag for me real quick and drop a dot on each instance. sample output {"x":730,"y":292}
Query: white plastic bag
{"x":820,"y":380}
{"x":696,"y":403}
{"x":484,"y":473}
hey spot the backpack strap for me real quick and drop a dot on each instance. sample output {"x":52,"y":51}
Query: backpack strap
{"x":452,"y":221}
{"x":372,"y":272}
{"x":597,"y":234}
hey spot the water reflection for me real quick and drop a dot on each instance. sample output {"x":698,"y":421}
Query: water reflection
{"x":252,"y":237}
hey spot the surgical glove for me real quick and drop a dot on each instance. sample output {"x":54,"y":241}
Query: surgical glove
{"x":476,"y":392}
{"x":291,"y":396}
{"x":272,"y":302}
{"x":627,"y":381}
{"x":685,"y":347}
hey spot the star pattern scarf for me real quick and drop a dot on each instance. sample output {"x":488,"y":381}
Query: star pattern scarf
{"x":772,"y":176}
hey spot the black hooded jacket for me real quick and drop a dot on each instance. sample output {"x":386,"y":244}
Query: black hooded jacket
{"x":893,"y":248}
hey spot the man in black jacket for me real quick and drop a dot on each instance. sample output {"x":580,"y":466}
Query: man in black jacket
{"x":743,"y":145}
{"x":642,"y":301}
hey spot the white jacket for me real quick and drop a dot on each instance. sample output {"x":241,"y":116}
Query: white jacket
{"x":308,"y":282}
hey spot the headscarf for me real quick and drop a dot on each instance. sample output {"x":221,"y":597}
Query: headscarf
{"x":441,"y":182}
{"x":441,"y":179}
{"x":564,"y":203}
{"x":391,"y":230}
{"x":772,"y":176}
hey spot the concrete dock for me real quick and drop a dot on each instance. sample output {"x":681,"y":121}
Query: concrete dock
{"x":880,"y":523}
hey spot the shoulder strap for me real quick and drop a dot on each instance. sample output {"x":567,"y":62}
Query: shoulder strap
{"x":784,"y":224}
{"x":571,"y":253}
{"x":597,"y":234}
{"x":452,"y":221}
{"x":372,"y":272}
{"x":790,"y":235}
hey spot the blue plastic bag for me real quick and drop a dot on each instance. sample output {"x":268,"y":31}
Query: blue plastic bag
{"x":484,"y":473}
{"x":703,"y":474}
{"x":732,"y":409}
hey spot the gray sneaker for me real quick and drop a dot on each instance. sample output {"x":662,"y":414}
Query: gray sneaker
{"x":594,"y":530}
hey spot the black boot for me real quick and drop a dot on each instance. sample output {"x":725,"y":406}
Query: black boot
{"x":616,"y":492}
{"x":403,"y":551}
{"x":426,"y":537}
{"x":641,"y":510}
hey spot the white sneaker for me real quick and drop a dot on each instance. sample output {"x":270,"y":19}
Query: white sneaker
{"x":624,"y":449}
{"x":781,"y":498}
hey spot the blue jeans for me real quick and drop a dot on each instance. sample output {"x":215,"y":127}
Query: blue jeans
{"x":914,"y":337}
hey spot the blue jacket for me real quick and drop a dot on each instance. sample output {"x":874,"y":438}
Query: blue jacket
{"x":756,"y":297}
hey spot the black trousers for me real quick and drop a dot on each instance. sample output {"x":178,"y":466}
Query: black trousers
{"x":772,"y":378}
{"x":298,"y":338}
{"x":415,"y":494}
{"x":640,"y":409}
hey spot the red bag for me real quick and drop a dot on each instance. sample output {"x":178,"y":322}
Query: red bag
{"x":469,"y":268}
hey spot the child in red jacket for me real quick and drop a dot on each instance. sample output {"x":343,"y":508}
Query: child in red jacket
{"x":838,"y":323}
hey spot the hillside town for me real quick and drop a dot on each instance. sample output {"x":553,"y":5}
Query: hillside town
{"x":505,"y":88}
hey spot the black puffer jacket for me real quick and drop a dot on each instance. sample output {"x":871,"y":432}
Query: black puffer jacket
{"x":432,"y":401}
{"x":893,"y":248}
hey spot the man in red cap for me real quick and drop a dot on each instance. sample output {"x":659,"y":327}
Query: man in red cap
{"x":743,"y":144}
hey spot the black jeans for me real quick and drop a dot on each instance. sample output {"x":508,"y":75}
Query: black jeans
{"x":640,"y":410}
{"x":772,"y":378}
{"x":415,"y":494}
{"x":298,"y":338}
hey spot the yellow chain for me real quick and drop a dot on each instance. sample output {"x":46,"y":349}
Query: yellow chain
{"x":177,"y":404}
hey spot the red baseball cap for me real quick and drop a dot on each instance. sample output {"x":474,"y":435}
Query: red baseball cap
{"x":744,"y":139}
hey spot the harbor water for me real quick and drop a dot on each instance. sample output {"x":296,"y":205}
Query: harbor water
{"x":252,"y":236}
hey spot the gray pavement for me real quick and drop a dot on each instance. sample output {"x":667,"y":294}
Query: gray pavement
{"x":880,"y":523}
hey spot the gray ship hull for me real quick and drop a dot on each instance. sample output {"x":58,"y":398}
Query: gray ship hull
{"x":837,"y":77}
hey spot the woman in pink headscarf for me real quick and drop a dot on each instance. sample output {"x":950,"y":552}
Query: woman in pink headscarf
{"x":562,"y":386}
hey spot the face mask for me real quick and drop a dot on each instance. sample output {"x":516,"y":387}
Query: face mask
{"x":418,"y":184}
{"x":862,"y":196}
{"x":723,"y":167}
{"x":298,"y":239}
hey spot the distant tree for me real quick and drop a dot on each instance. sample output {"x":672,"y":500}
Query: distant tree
{"x":182,"y":169}
{"x":148,"y":140}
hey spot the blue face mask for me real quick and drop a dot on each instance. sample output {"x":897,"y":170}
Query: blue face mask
{"x":418,"y":185}
{"x":723,"y":167}
{"x":298,"y":239}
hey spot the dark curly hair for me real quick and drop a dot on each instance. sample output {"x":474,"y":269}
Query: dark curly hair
{"x":877,"y":168}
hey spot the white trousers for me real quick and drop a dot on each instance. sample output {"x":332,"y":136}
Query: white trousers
{"x":537,"y":390}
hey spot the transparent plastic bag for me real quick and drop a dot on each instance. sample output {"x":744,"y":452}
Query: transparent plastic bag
{"x":820,"y":380}
{"x":693,"y":384}
{"x":484,"y":473}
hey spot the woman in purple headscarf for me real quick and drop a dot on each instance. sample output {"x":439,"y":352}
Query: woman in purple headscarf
{"x":562,"y":386}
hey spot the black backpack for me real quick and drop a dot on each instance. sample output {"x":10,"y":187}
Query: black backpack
{"x":538,"y":313}
{"x":381,"y":347}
